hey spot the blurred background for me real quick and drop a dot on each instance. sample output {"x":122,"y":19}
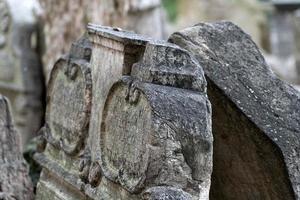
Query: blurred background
{"x":35,"y":33}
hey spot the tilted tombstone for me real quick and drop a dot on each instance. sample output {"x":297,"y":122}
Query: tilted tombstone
{"x":14,"y":180}
{"x":255,"y":116}
{"x":137,"y":127}
{"x":21,"y":76}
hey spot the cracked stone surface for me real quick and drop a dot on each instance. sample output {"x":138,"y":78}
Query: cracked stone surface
{"x":256,"y":116}
{"x":127,"y":118}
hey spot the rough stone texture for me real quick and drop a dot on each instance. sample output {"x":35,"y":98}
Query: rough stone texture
{"x":65,"y":21}
{"x":148,"y":132}
{"x":255,"y":116}
{"x":69,"y":100}
{"x":14,"y":180}
{"x":21,"y":76}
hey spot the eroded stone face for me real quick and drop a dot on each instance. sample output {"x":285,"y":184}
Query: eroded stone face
{"x":69,"y":104}
{"x":125,"y":139}
{"x":150,"y":122}
{"x":255,"y":115}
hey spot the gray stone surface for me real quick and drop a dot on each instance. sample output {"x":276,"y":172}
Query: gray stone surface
{"x":139,"y":120}
{"x":256,"y":116}
{"x":21,"y":76}
{"x":14,"y":180}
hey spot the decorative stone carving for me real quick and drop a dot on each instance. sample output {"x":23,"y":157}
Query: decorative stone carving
{"x":149,"y":132}
{"x":21,"y":76}
{"x":64,"y":20}
{"x":69,"y":97}
{"x":14,"y":180}
{"x":69,"y":104}
{"x":255,"y":115}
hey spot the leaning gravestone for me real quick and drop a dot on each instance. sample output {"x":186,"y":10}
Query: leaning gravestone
{"x":256,"y":116}
{"x":14,"y":180}
{"x":127,"y":118}
{"x":21,"y":76}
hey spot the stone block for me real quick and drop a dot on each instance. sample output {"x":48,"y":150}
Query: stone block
{"x":255,"y":116}
{"x":131,"y":122}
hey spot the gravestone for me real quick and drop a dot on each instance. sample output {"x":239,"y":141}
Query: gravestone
{"x":282,"y":34}
{"x":64,"y":20}
{"x":21,"y":77}
{"x":255,"y":116}
{"x":145,"y":17}
{"x":283,"y":39}
{"x":14,"y":180}
{"x":127,"y":118}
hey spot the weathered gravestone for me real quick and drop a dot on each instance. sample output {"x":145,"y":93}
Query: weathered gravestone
{"x":256,"y":116}
{"x":21,"y":76}
{"x":283,"y":39}
{"x":14,"y":180}
{"x":297,"y":41}
{"x":127,"y":118}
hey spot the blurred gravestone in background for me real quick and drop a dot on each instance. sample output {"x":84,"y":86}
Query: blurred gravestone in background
{"x":65,"y":21}
{"x":14,"y":180}
{"x":297,"y":41}
{"x":272,"y":24}
{"x":248,"y":14}
{"x":284,"y":25}
{"x":21,"y":76}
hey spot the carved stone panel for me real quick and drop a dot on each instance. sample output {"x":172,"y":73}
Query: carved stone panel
{"x":131,"y":143}
{"x":255,"y":115}
{"x":125,"y":156}
{"x":69,"y":104}
{"x":149,"y":134}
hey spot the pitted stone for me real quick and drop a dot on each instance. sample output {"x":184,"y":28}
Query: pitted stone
{"x":256,"y":115}
{"x":150,"y":125}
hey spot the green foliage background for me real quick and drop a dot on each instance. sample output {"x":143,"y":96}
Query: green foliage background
{"x":171,"y":7}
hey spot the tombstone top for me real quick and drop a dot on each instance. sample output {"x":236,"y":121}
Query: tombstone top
{"x":179,"y":68}
{"x":126,"y":37}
